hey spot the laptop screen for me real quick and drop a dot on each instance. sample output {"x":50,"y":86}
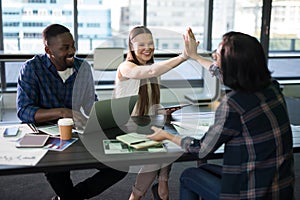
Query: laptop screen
{"x":110,"y":113}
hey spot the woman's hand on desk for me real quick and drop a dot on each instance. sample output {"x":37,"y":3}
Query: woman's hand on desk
{"x":160,"y":135}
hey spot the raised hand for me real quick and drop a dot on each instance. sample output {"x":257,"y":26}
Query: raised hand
{"x":190,"y":44}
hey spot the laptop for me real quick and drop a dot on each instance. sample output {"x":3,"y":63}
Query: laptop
{"x":110,"y":113}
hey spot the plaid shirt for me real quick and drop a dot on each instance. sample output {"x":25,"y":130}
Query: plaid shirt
{"x":40,"y":86}
{"x":258,"y":154}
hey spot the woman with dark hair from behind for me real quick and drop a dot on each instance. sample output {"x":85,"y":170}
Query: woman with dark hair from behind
{"x":244,"y":69}
{"x":251,"y":121}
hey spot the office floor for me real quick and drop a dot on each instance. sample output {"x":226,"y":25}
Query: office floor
{"x":36,"y":187}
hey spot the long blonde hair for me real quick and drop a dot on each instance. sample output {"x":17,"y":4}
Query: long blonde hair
{"x":143,"y":104}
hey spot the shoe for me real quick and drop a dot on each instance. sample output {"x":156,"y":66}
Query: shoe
{"x":154,"y":190}
{"x":55,"y":198}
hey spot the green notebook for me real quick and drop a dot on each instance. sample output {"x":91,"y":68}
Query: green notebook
{"x":117,"y":147}
{"x":137,"y":141}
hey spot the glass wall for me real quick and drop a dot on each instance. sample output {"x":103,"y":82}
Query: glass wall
{"x":177,"y":15}
{"x":24,"y":21}
{"x":285,"y":26}
{"x":103,"y":23}
{"x":236,"y":15}
{"x":106,"y":23}
{"x":245,"y":16}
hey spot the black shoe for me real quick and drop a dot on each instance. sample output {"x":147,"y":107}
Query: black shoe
{"x":55,"y":198}
{"x":155,"y":192}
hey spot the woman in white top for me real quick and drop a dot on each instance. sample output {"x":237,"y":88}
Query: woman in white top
{"x":138,"y":74}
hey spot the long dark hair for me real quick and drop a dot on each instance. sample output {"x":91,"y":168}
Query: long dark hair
{"x":143,"y":104}
{"x":243,"y":63}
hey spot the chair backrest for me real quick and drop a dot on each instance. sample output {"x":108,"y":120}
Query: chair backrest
{"x":211,"y":90}
{"x":106,"y":59}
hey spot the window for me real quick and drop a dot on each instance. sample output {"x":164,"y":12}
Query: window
{"x":107,"y":23}
{"x":177,"y":17}
{"x":21,"y":30}
{"x":12,"y":24}
{"x":236,"y":15}
{"x":36,"y":1}
{"x":89,"y":25}
{"x":285,"y":26}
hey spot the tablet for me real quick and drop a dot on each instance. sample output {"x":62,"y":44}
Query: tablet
{"x":31,"y":140}
{"x":175,"y":107}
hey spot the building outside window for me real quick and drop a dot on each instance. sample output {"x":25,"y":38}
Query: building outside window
{"x":106,"y":23}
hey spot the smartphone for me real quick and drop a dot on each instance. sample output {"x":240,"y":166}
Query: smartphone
{"x":11,"y":132}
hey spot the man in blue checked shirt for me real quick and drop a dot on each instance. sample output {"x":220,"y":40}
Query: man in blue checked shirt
{"x":57,"y":85}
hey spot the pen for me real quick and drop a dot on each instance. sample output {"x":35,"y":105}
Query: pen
{"x":178,"y":126}
{"x":32,"y":127}
{"x":138,"y":142}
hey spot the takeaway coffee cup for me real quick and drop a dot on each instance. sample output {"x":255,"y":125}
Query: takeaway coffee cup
{"x":65,"y":128}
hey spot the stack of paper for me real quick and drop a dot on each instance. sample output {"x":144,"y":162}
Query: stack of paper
{"x":52,"y":130}
{"x":11,"y":155}
{"x":194,"y":124}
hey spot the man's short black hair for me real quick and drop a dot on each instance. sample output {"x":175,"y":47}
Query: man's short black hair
{"x":52,"y":31}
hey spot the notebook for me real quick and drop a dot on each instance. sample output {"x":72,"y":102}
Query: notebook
{"x":113,"y":146}
{"x":110,"y":113}
{"x":136,"y":140}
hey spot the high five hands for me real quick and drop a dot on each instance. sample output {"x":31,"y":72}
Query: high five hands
{"x":190,"y":44}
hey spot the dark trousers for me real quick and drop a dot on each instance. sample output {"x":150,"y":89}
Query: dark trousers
{"x":63,"y":186}
{"x":204,"y":181}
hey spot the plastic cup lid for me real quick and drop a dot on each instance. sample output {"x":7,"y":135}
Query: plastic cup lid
{"x":65,"y":122}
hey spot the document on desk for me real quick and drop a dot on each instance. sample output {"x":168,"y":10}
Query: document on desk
{"x":52,"y":129}
{"x":296,"y":135}
{"x":56,"y":144}
{"x":196,"y":125}
{"x":22,"y":128}
{"x":11,"y":155}
{"x":195,"y":132}
{"x":191,"y":128}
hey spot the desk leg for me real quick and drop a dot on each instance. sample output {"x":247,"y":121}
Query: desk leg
{"x":201,"y":162}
